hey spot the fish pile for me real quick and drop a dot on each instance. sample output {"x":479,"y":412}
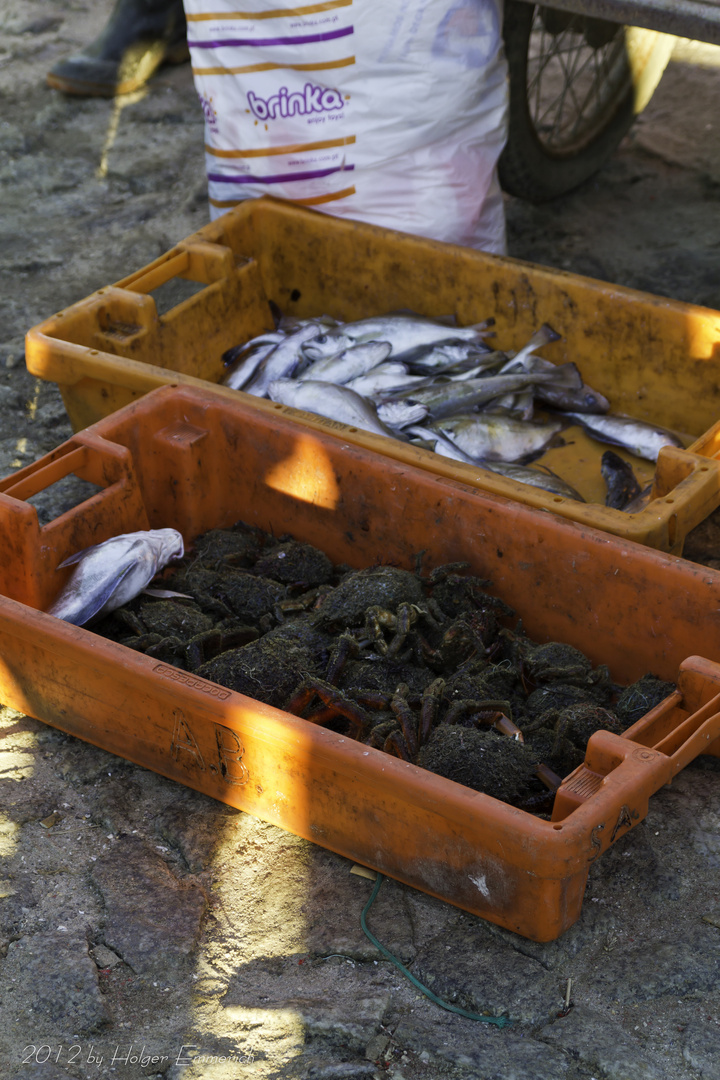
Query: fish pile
{"x":441,"y":387}
{"x":429,"y":667}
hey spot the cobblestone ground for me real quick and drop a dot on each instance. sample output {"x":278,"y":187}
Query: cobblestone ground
{"x":146,"y":930}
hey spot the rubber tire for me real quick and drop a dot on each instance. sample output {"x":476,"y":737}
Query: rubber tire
{"x":526,"y":169}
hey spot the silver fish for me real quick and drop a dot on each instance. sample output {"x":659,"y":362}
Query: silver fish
{"x":349,"y":364}
{"x":622,"y":485}
{"x":585,"y":400}
{"x":281,"y":362}
{"x":398,"y":414}
{"x":547,"y":481}
{"x":454,"y":397}
{"x":269,"y":337}
{"x":110,"y":574}
{"x":496,"y":438}
{"x":582,"y":399}
{"x":520,"y":405}
{"x":247,"y":366}
{"x":442,"y":446}
{"x":406,"y":332}
{"x":327,"y":399}
{"x":430,"y":357}
{"x":444,"y":359}
{"x":290,"y":323}
{"x":638,"y":437}
{"x":457,"y":373}
{"x":384,"y":378}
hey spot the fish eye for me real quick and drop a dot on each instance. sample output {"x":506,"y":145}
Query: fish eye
{"x":321,"y":339}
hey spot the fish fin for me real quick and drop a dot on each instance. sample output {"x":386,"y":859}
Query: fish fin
{"x":641,"y":501}
{"x":566,"y":376}
{"x":544,"y":336}
{"x":95,"y":603}
{"x":544,"y":468}
{"x":514,"y":367}
{"x":536,"y":364}
{"x":99,"y":602}
{"x":167,"y":594}
{"x":276,"y":313}
{"x":72,"y":559}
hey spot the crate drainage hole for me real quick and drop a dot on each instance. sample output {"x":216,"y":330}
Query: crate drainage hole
{"x":61,"y":496}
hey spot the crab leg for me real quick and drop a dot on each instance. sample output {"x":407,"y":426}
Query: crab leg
{"x":429,"y":709}
{"x":333,"y":698}
{"x":402,"y":710}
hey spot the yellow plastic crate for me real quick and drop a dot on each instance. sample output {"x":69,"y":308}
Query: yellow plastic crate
{"x":653,"y":358}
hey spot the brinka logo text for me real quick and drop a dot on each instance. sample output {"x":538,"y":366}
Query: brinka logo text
{"x":313,"y":99}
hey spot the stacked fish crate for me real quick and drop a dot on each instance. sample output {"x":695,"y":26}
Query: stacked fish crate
{"x":281,"y":292}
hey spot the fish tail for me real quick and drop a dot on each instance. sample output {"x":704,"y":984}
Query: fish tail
{"x":565,"y":376}
{"x":481,"y":327}
{"x":546,"y":335}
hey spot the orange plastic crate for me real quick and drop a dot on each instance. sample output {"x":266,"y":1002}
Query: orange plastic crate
{"x":195,"y":460}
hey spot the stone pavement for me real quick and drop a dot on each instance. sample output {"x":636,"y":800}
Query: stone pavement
{"x":146,"y":930}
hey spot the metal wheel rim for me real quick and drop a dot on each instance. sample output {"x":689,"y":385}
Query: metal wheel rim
{"x":572,"y":87}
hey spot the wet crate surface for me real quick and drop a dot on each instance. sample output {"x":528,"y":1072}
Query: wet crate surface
{"x":194,"y":461}
{"x":653,"y":358}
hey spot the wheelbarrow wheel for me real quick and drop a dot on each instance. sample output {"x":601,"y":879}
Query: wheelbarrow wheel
{"x":576,"y":85}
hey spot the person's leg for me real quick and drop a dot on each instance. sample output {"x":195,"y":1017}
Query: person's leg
{"x":140,"y":36}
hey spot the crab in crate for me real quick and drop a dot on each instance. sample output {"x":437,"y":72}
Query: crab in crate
{"x":409,"y":726}
{"x":178,"y":632}
{"x":387,"y":610}
{"x":429,"y":667}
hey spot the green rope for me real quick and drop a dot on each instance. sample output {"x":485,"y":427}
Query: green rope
{"x":499,"y":1021}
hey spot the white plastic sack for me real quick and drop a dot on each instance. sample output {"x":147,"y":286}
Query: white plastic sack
{"x":387,"y":111}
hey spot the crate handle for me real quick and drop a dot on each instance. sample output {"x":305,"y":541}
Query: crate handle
{"x":688,"y":740}
{"x":158,"y":274}
{"x":615,"y":759}
{"x":43,"y":474}
{"x":107,"y":465}
{"x":203,"y":262}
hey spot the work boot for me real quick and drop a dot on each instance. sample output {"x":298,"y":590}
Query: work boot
{"x":140,"y":36}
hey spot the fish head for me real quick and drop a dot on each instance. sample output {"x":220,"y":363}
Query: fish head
{"x":593,"y":400}
{"x":167,"y":544}
{"x":322,"y":346}
{"x":374,"y":351}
